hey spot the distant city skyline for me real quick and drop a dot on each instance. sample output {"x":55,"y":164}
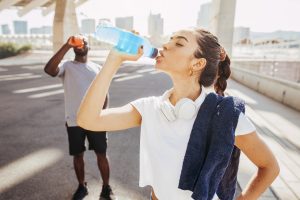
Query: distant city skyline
{"x":259,"y":16}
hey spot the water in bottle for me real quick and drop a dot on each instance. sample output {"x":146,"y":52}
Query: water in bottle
{"x":123,"y":40}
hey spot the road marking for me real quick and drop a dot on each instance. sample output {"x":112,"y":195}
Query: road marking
{"x":145,"y":70}
{"x":37,"y":88}
{"x":33,"y":67}
{"x":27,"y":167}
{"x":15,"y":75}
{"x":46,"y":94}
{"x":18,"y":76}
{"x":119,"y":75}
{"x":2,"y":69}
{"x":129,"y":78}
{"x":155,"y":72}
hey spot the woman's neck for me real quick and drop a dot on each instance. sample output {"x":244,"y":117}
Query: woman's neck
{"x":185,"y":89}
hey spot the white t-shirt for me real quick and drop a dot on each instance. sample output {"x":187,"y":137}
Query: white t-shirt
{"x":76,"y":78}
{"x":163,"y":145}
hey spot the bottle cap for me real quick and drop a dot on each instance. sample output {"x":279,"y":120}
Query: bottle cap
{"x":154,"y":53}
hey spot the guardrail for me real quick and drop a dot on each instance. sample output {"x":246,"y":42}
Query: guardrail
{"x":284,"y":91}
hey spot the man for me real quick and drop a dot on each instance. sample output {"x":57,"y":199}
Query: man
{"x":76,"y":76}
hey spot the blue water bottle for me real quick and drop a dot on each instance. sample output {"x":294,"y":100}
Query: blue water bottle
{"x":123,"y":40}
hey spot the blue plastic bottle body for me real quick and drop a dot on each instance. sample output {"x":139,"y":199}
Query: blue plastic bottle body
{"x":123,"y":40}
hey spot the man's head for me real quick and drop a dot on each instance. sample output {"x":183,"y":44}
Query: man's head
{"x":82,"y":51}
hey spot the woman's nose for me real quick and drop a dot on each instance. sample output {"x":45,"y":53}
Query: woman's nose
{"x":165,"y":46}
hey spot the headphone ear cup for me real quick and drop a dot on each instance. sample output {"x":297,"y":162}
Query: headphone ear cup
{"x":167,"y":111}
{"x":185,"y":108}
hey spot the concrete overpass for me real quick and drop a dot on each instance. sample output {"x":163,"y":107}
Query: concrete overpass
{"x":65,"y":21}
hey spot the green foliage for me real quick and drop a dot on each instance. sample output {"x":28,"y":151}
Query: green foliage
{"x":12,"y":49}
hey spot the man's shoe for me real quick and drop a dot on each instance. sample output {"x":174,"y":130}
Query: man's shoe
{"x":107,"y":194}
{"x":81,"y":192}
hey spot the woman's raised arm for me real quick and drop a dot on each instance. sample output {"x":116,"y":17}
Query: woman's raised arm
{"x":90,"y":115}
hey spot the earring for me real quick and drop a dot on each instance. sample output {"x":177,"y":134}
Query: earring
{"x":191,"y":72}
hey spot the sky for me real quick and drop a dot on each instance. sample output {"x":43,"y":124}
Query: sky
{"x":259,"y":15}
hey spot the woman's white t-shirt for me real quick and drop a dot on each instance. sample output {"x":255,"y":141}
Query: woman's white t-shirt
{"x":163,"y":145}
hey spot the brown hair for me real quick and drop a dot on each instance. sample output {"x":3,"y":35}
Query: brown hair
{"x":210,"y":49}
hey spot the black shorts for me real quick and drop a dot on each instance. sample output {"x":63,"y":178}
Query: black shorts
{"x":76,"y":136}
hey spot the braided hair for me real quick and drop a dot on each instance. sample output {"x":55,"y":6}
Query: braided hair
{"x":217,"y":69}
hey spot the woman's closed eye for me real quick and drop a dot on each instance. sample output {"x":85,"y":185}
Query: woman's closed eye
{"x":178,"y":44}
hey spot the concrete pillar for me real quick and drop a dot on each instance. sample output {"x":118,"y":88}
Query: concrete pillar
{"x":65,"y":22}
{"x":222,"y":22}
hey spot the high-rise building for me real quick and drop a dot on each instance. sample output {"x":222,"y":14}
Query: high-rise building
{"x":155,"y":25}
{"x":20,"y":27}
{"x":204,"y":16}
{"x":124,"y":23}
{"x":88,"y":26}
{"x":241,"y":33}
{"x":5,"y":29}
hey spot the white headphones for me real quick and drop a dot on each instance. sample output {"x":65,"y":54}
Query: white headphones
{"x":185,"y":108}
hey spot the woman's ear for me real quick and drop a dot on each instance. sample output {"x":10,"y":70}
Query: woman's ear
{"x":199,"y":64}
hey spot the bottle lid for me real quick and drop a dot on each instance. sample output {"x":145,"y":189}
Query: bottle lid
{"x":154,"y":53}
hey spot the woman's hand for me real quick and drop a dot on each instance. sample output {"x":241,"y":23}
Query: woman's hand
{"x":116,"y":56}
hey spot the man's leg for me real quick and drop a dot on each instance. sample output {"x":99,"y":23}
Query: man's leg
{"x":76,"y":137}
{"x":103,"y":166}
{"x":98,"y":143}
{"x":79,"y":167}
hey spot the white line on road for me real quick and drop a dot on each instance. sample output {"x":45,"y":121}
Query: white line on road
{"x":128,"y":78}
{"x":155,"y":72}
{"x":18,"y":77}
{"x":33,"y":67}
{"x":45,"y":94}
{"x":119,"y":75}
{"x":37,"y":88}
{"x":2,"y":69}
{"x":145,"y":70}
{"x":15,"y":75}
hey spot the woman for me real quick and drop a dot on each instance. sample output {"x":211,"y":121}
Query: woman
{"x":193,"y":59}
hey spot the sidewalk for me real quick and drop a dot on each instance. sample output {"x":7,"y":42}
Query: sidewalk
{"x":279,"y":126}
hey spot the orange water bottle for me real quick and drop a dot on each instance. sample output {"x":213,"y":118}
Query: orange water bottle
{"x":77,"y":41}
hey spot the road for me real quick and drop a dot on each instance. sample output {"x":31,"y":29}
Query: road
{"x":34,"y":160}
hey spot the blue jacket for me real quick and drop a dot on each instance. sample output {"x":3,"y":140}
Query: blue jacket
{"x":211,"y":160}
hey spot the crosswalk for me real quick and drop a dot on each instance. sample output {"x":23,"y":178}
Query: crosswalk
{"x":22,"y":76}
{"x":34,"y":72}
{"x":37,"y":88}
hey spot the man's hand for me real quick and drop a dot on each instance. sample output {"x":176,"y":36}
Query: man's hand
{"x":69,"y":43}
{"x":75,"y":41}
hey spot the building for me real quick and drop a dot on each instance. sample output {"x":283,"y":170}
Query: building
{"x":41,"y":30}
{"x":88,"y":26}
{"x":155,"y":25}
{"x":240,"y":34}
{"x":124,"y":23}
{"x":5,"y":29}
{"x":204,"y":16}
{"x":20,"y":27}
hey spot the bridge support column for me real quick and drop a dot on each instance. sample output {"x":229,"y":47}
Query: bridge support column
{"x":64,"y":23}
{"x":222,"y":22}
